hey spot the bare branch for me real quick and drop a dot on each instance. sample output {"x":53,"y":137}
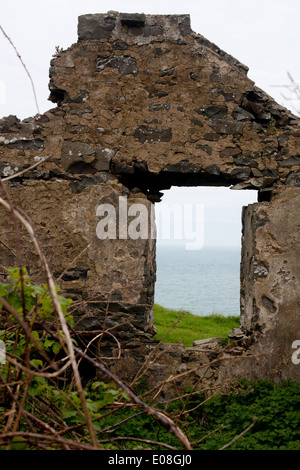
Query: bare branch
{"x":240,"y":435}
{"x":58,"y":309}
{"x":26,"y":70}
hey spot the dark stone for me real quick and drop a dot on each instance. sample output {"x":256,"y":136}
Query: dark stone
{"x":79,"y":98}
{"x":136,"y":191}
{"x":293,"y":179}
{"x":205,"y":148}
{"x":227,"y":127}
{"x":152,"y":121}
{"x":96,"y":26}
{"x":80,"y":111}
{"x":228,"y":96}
{"x":256,"y":95}
{"x":252,"y":154}
{"x":155,"y":196}
{"x":231,"y":60}
{"x":82,"y":168}
{"x":141,"y":166}
{"x":212,"y":170}
{"x":258,"y":222}
{"x":73,"y":274}
{"x":255,"y":126}
{"x":159,"y":106}
{"x":159,"y":51}
{"x":213,"y":137}
{"x":166,"y":72}
{"x":196,"y":122}
{"x":193,"y":76}
{"x":256,"y":173}
{"x":30,"y":144}
{"x":240,"y":114}
{"x":74,"y":152}
{"x":214,"y":77}
{"x":258,"y":110}
{"x":103,"y":157}
{"x":7,"y":123}
{"x":119,"y":45}
{"x":241,"y":173}
{"x":124,"y":64}
{"x":155,"y":92}
{"x":182,"y":167}
{"x":56,"y":95}
{"x":87,"y":181}
{"x":88,"y":323}
{"x":123,"y":167}
{"x":132,"y":19}
{"x":151,"y":134}
{"x":269,"y":304}
{"x":230,"y":152}
{"x":271,"y":152}
{"x":282,"y":139}
{"x":292,"y":161}
{"x":245,"y":162}
{"x":149,"y":30}
{"x":270,"y":173}
{"x":213,"y":111}
{"x":184,"y":24}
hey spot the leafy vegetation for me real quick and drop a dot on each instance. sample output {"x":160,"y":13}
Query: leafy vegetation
{"x":190,"y":327}
{"x":272,"y":411}
{"x":41,"y":407}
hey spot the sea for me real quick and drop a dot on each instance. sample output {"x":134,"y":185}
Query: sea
{"x":203,"y":282}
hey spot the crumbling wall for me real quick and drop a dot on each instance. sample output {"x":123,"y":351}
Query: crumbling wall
{"x":144,"y":103}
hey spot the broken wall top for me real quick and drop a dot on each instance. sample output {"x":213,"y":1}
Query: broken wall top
{"x":145,"y":99}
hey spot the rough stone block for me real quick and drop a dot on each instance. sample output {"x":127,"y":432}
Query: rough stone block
{"x":96,"y":26}
{"x":132,"y":19}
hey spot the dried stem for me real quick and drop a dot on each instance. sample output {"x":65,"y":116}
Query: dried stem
{"x":61,"y":316}
{"x":152,"y":411}
{"x":26,"y":70}
{"x":240,"y":435}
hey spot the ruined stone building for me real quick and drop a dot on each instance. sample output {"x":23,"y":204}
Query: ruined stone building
{"x":142,"y":103}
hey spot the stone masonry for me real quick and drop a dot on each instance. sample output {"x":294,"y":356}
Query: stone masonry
{"x":143,"y":103}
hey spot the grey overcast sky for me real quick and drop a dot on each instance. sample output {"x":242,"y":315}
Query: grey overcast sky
{"x":263,"y":34}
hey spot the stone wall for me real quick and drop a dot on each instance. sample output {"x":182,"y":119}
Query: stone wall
{"x":144,"y":103}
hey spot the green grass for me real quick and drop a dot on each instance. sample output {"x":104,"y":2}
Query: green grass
{"x":191,"y":327}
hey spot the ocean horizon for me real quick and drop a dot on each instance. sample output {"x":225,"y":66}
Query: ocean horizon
{"x":203,"y":282}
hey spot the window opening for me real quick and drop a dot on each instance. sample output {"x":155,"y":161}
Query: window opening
{"x":204,"y":279}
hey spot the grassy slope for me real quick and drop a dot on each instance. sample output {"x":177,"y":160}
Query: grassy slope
{"x":191,"y":327}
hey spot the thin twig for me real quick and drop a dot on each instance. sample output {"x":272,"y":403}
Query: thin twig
{"x":145,"y":366}
{"x":47,"y":375}
{"x":137,"y":439}
{"x":20,"y":173}
{"x":26,"y":70}
{"x":18,"y":242}
{"x":240,"y":435}
{"x":207,"y":435}
{"x":152,"y":411}
{"x":58,"y":309}
{"x":55,"y":439}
